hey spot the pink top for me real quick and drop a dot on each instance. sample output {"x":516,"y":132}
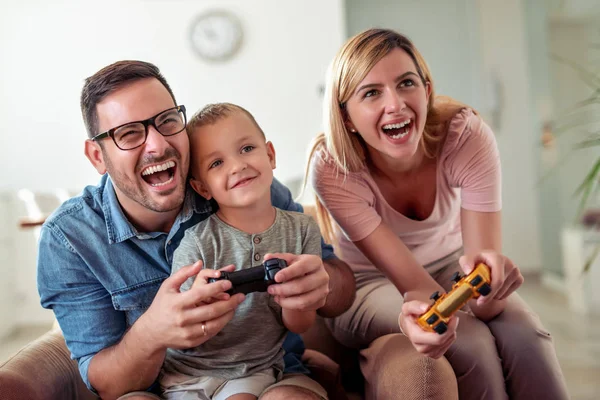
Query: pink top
{"x":468,"y":176}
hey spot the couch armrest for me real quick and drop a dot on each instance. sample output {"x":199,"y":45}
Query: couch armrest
{"x":43,"y":370}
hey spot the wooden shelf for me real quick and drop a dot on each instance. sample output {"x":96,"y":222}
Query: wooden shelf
{"x":29,"y":222}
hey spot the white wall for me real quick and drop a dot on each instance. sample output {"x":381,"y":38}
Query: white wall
{"x":453,"y":57}
{"x":7,"y":269}
{"x":504,"y":54}
{"x":47,"y":49}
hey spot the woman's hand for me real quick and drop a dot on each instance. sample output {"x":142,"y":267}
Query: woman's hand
{"x":506,"y":276}
{"x":427,"y":343}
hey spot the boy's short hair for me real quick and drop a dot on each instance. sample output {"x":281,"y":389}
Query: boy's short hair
{"x":213,"y":113}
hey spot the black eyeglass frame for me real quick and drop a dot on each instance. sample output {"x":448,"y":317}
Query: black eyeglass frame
{"x":147,"y":122}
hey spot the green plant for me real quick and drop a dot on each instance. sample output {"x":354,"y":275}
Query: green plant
{"x":590,"y":186}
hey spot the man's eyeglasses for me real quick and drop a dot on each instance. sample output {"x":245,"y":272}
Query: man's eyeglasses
{"x":134,"y":134}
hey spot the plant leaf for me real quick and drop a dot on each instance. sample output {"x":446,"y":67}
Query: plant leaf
{"x":560,"y":128}
{"x":587,"y":187}
{"x":588,"y":143}
{"x":590,"y":260}
{"x":588,"y":77}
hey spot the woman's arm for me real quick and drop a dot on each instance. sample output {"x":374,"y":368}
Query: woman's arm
{"x":387,"y":252}
{"x":342,"y":288}
{"x":391,"y":256}
{"x":481,"y":233}
{"x":298,"y":321}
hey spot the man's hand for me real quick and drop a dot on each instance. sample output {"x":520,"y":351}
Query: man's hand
{"x":187,"y":319}
{"x":303,"y":285}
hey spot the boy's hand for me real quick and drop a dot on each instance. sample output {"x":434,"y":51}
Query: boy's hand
{"x":303,"y":285}
{"x":205,"y":274}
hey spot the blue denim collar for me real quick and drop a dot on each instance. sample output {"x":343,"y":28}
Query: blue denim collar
{"x":120,"y":229}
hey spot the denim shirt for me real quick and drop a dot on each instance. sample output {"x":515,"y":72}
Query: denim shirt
{"x":99,"y":274}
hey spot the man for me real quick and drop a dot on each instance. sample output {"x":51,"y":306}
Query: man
{"x":104,"y":257}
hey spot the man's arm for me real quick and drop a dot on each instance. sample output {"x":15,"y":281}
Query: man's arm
{"x":82,"y":306}
{"x":342,"y":285}
{"x":342,"y":288}
{"x":111,"y":361}
{"x":132,"y":364}
{"x":174,"y":320}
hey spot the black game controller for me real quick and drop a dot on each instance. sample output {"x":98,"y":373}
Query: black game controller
{"x":255,"y":279}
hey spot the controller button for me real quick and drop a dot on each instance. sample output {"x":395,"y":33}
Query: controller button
{"x":476,"y":281}
{"x":485,"y":289}
{"x":256,"y":257}
{"x":440,"y":328}
{"x":257,"y":239}
{"x":432,"y":319}
{"x":456,"y":277}
{"x":435,"y":296}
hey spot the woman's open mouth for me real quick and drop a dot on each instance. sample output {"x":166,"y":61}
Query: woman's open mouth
{"x":398,"y":130}
{"x":159,"y":175}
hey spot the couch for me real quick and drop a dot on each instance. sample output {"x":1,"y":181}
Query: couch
{"x":43,"y":369}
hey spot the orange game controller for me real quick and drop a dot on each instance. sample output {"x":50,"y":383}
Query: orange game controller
{"x":465,"y":288}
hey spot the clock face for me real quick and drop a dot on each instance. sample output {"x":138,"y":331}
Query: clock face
{"x":216,"y":35}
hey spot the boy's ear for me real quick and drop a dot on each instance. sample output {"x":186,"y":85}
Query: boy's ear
{"x":271,"y":154}
{"x":93,"y":152}
{"x":200,"y":188}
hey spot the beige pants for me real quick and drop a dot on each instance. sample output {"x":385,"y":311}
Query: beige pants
{"x":511,"y":356}
{"x":205,"y":388}
{"x":221,"y":389}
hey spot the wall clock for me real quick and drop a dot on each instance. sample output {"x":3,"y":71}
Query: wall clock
{"x":216,"y":35}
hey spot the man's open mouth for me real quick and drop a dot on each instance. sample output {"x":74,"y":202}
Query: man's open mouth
{"x":399,"y":130}
{"x":159,"y":175}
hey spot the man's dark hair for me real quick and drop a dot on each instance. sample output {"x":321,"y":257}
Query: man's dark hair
{"x":109,"y":79}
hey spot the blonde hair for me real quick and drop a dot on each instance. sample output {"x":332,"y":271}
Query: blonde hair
{"x":213,"y":113}
{"x":349,"y":67}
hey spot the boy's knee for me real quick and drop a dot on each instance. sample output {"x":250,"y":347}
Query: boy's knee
{"x":289,"y":392}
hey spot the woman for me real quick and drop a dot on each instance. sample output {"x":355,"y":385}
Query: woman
{"x":413,"y":184}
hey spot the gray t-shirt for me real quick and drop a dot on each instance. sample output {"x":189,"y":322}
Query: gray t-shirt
{"x":252,"y":340}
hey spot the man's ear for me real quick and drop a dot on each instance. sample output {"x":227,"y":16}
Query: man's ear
{"x":271,"y":154}
{"x":93,"y":152}
{"x":200,"y":188}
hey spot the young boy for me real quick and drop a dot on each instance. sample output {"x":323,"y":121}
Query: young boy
{"x":232,"y":163}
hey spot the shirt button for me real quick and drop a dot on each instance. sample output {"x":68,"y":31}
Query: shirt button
{"x":257,"y":257}
{"x":257,"y":239}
